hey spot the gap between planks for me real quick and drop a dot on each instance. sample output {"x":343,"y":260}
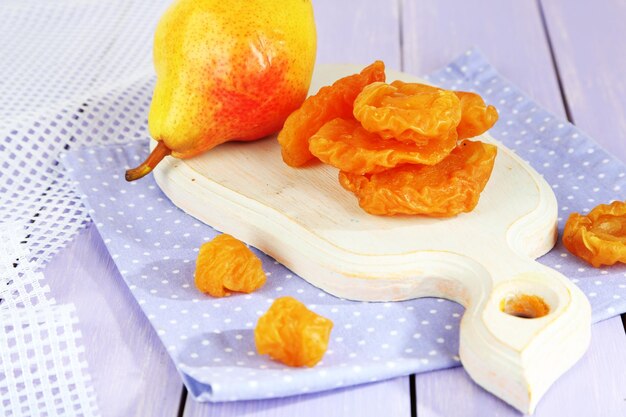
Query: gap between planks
{"x":555,"y":64}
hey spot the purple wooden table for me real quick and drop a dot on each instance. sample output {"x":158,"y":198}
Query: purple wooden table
{"x":566,"y":54}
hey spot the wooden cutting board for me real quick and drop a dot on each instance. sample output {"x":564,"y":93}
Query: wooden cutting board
{"x":307,"y":221}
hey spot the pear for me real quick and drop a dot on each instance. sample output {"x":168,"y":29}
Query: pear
{"x":227,"y":70}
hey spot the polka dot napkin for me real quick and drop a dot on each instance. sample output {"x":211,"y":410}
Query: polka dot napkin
{"x":154,"y":245}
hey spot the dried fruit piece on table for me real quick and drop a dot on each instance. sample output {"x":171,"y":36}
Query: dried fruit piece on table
{"x":476,"y":116}
{"x":451,"y":187}
{"x":226,"y":264}
{"x":410,"y":112}
{"x":329,"y":103}
{"x":292,"y":334}
{"x":346,"y":145}
{"x":599,"y":237}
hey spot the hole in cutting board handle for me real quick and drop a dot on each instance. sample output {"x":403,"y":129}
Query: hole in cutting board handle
{"x":525,"y":306}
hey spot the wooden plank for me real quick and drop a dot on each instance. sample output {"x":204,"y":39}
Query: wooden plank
{"x":588,"y":389}
{"x":512,"y":37}
{"x":359,"y":33}
{"x":375,"y":400}
{"x":588,"y":42}
{"x":509,"y":33}
{"x":131,"y":371}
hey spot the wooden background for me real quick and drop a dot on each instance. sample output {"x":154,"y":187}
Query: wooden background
{"x":568,"y":55}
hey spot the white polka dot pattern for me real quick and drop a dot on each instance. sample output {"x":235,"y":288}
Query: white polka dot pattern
{"x":211,"y":340}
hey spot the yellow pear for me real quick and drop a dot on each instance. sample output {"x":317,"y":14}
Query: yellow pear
{"x":227,"y":70}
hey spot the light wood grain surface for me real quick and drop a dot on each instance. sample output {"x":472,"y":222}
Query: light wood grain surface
{"x":132,"y":373}
{"x":375,"y":400}
{"x":593,"y":388}
{"x":589,"y":41}
{"x":509,"y":34}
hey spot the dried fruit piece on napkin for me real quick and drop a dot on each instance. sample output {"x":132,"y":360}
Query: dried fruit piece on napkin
{"x":226,"y":264}
{"x":599,"y":237}
{"x":292,"y":334}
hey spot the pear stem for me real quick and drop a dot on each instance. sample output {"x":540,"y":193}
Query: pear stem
{"x":157,"y":154}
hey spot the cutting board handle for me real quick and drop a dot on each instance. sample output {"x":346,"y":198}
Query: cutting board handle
{"x":516,"y":348}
